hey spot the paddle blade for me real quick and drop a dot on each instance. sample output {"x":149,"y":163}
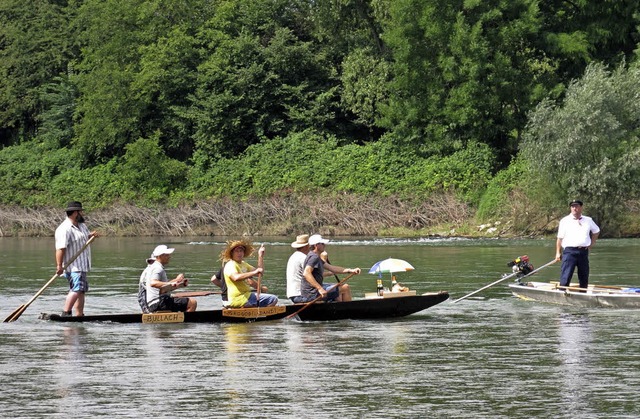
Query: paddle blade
{"x":16,"y":314}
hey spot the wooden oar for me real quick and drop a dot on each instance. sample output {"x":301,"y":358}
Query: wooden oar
{"x":260,"y":265}
{"x":173,"y":285}
{"x":18,"y":312}
{"x":319,"y":297}
{"x":188,"y":294}
{"x":503,"y":279}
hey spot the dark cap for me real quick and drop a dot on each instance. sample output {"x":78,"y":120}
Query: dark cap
{"x":74,"y":206}
{"x":575,"y":202}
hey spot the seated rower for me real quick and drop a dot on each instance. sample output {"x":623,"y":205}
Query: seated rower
{"x":159,"y":287}
{"x":142,"y":286}
{"x":238,"y":276}
{"x":312,"y":286}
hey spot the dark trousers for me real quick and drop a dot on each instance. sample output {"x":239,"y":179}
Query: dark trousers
{"x":572,"y":258}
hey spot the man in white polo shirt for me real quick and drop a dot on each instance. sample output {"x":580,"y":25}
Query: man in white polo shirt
{"x":577,"y":233}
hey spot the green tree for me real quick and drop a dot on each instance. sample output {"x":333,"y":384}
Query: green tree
{"x":35,"y":47}
{"x":472,"y":70}
{"x":464,"y":71}
{"x":260,"y":79}
{"x":365,"y":80}
{"x":148,"y":173}
{"x":588,"y":145}
{"x":577,"y":33}
{"x":138,"y":68}
{"x":56,"y":119}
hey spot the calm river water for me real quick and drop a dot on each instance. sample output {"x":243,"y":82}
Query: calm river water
{"x":491,"y":355}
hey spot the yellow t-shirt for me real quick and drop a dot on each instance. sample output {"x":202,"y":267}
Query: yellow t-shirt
{"x":238,"y":291}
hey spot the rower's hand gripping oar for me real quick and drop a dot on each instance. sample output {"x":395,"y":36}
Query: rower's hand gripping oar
{"x":320,"y":296}
{"x":325,"y":258}
{"x":18,"y":312}
{"x":504,"y":279}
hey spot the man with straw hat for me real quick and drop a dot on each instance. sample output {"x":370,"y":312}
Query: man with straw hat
{"x":238,"y":275}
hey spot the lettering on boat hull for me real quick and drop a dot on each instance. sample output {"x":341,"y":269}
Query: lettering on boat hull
{"x":172,"y":317}
{"x":253,"y":312}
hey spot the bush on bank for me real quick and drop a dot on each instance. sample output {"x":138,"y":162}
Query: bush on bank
{"x":302,"y":162}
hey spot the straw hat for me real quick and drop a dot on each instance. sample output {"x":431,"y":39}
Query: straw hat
{"x":301,"y":241}
{"x":232,"y":244}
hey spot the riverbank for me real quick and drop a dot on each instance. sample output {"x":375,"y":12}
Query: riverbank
{"x":286,"y":215}
{"x":340,"y":215}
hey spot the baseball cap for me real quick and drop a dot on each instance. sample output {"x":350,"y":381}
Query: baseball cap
{"x":316,"y":239}
{"x":162,"y":250}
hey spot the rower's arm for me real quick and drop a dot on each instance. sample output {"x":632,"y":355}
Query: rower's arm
{"x":59,"y":259}
{"x":308,"y":275}
{"x":340,"y":270}
{"x":237,"y":276}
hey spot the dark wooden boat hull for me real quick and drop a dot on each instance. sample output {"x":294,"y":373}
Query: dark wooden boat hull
{"x":366,"y":309}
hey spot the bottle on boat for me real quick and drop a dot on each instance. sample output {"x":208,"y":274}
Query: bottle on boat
{"x":380,"y":288}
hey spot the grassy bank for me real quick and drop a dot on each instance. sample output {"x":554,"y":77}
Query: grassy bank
{"x":288,"y":215}
{"x":340,"y":214}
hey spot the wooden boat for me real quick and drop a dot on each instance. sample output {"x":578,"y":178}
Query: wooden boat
{"x":593,"y":296}
{"x":366,"y":309}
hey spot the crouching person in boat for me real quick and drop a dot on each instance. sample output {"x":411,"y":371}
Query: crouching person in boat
{"x":238,"y":276}
{"x":158,"y":287}
{"x":142,"y":286}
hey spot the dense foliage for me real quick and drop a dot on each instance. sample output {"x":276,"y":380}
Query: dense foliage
{"x":588,"y":146}
{"x":162,"y":101}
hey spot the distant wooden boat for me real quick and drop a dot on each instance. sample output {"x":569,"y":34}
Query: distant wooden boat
{"x":365,"y":309}
{"x":593,"y":296}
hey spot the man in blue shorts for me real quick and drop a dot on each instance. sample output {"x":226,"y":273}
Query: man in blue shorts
{"x":71,"y":235}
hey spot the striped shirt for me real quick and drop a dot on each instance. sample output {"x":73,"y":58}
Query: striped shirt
{"x":72,"y":239}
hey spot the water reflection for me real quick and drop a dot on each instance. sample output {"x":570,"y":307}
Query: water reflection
{"x":575,"y":337}
{"x":74,"y":342}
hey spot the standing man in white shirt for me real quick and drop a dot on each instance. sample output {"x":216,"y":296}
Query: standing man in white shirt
{"x":577,"y":233}
{"x":71,"y":235}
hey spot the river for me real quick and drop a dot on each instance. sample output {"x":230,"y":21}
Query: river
{"x":491,"y":355}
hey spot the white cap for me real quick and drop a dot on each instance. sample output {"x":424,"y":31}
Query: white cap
{"x":162,"y":250}
{"x":316,"y":239}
